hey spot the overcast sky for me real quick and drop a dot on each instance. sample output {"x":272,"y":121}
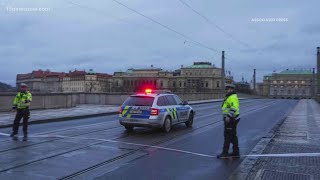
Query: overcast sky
{"x":107,"y":37}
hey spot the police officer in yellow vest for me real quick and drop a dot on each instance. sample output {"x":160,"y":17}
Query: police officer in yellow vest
{"x":21,"y":105}
{"x":230,"y":109}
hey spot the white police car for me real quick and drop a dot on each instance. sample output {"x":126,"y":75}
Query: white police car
{"x":159,"y":109}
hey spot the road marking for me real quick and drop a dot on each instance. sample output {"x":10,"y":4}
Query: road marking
{"x":4,"y":134}
{"x":283,"y":155}
{"x":175,"y":150}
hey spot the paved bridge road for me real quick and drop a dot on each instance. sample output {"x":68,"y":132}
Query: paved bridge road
{"x":93,"y":148}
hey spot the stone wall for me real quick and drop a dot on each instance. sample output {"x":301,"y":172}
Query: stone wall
{"x":41,"y":101}
{"x":67,"y":100}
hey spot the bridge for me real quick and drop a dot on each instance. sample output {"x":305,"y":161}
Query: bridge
{"x":97,"y":147}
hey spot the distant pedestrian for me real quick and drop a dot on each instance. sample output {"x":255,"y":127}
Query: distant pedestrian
{"x":230,"y":109}
{"x":21,"y":105}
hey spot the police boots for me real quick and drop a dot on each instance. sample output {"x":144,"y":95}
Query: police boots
{"x":25,"y":137}
{"x":235,"y":154}
{"x":223,"y":155}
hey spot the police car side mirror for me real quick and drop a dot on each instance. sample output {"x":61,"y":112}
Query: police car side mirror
{"x":185,"y":103}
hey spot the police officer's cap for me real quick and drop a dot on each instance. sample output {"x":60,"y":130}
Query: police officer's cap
{"x":231,"y":86}
{"x":23,"y":85}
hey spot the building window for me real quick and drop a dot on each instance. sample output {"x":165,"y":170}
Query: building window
{"x":274,"y":82}
{"x":281,"y":82}
{"x":218,"y":84}
{"x":202,"y":84}
{"x":303,"y":82}
{"x":289,"y":82}
{"x":207,"y":84}
{"x":296,"y":82}
{"x":180,"y":84}
{"x":155,"y":82}
{"x":174,"y":84}
{"x":184,"y":84}
{"x":161,"y":84}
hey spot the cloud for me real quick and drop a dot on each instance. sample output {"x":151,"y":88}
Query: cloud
{"x":107,"y":37}
{"x":312,"y":29}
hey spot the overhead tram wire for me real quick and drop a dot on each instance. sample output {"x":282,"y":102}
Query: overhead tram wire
{"x":98,"y":11}
{"x":227,"y":56}
{"x":167,"y":27}
{"x":214,"y":24}
{"x":189,"y":39}
{"x":218,"y":27}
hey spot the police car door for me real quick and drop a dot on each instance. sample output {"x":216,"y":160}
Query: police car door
{"x":172,"y":108}
{"x":181,"y":109}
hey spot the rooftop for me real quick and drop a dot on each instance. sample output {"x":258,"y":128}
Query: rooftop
{"x":132,"y":70}
{"x":91,"y":71}
{"x":200,"y":65}
{"x":302,"y":71}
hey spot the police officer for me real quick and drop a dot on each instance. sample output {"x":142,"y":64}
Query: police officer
{"x":21,"y":105}
{"x":230,"y":109}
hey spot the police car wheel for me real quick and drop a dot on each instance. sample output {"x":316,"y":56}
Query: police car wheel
{"x":129,"y":128}
{"x":190,"y":120}
{"x":167,"y":125}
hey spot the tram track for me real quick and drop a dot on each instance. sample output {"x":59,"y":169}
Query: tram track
{"x":181,"y":136}
{"x":164,"y":138}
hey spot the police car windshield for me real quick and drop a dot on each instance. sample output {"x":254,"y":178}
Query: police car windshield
{"x":139,"y":101}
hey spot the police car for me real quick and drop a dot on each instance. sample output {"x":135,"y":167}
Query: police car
{"x":155,"y":109}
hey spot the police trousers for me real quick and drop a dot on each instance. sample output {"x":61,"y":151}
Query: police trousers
{"x":21,"y":113}
{"x":230,"y":135}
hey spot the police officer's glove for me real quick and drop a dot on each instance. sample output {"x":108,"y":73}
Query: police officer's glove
{"x":14,"y":108}
{"x":237,"y":120}
{"x":227,"y":120}
{"x":26,"y":101}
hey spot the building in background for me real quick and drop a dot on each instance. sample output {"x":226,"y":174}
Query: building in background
{"x":74,"y":81}
{"x":199,"y":77}
{"x":134,"y":80}
{"x":292,"y":84}
{"x":243,"y":87}
{"x":41,"y":81}
{"x":259,"y":89}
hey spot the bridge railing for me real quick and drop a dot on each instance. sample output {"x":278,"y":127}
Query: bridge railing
{"x":67,"y":100}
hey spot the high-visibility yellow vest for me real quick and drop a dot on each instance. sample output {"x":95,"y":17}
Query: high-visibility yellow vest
{"x":230,"y":106}
{"x":20,"y":100}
